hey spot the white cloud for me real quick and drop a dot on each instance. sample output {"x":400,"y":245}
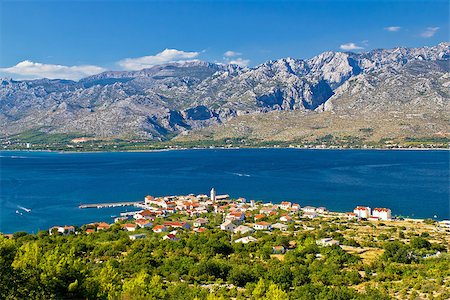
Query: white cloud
{"x":32,"y":70}
{"x":350,"y":46}
{"x":239,"y":61}
{"x":429,"y":32}
{"x":166,"y":56}
{"x":230,"y":53}
{"x":392,"y":28}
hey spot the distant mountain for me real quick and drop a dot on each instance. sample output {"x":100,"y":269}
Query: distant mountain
{"x":194,"y":98}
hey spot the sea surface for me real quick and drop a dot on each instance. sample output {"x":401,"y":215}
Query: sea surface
{"x":42,"y":189}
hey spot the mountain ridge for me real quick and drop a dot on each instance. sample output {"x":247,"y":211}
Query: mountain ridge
{"x":176,"y":98}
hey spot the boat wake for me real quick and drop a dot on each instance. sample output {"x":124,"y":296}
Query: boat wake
{"x":24,"y":208}
{"x":241,"y":174}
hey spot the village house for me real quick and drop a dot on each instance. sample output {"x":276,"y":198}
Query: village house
{"x":309,"y":214}
{"x":246,"y":240}
{"x":148,"y":200}
{"x":170,"y":237}
{"x":90,"y":230}
{"x":285,"y":205}
{"x":159,"y":228}
{"x":286,"y":219}
{"x":327,"y":242}
{"x":134,"y":237}
{"x":102,"y":226}
{"x":295,"y":207}
{"x":129,"y":226}
{"x":280,"y":226}
{"x":351,"y":215}
{"x":183,"y":225}
{"x":227,"y":226}
{"x":242,"y":229}
{"x":321,"y":210}
{"x":144,"y":223}
{"x":64,"y":230}
{"x":259,"y":217}
{"x":382,"y":213}
{"x":262,"y":226}
{"x":200,"y":222}
{"x":309,"y":209}
{"x":236,"y":217}
{"x":362,"y":212}
{"x":200,"y":229}
{"x":145,"y":214}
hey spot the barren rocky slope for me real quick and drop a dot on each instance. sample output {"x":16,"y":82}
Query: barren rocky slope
{"x":382,"y":93}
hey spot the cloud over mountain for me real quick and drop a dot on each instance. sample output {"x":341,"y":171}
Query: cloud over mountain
{"x":350,"y":46}
{"x":32,"y":70}
{"x":429,"y":32}
{"x":166,"y":56}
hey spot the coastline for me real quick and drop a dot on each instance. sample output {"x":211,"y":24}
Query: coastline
{"x":225,"y":148}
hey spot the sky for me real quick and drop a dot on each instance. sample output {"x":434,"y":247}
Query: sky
{"x":74,"y":39}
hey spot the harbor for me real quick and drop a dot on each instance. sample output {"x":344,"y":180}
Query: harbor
{"x":112,"y":204}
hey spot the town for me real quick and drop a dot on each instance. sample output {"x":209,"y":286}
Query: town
{"x":211,"y":245}
{"x":238,"y":216}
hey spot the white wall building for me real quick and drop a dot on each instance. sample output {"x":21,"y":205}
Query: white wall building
{"x":382,"y":213}
{"x":228,"y":226}
{"x":362,"y":212}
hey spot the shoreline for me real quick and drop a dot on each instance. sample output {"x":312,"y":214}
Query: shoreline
{"x":226,"y":148}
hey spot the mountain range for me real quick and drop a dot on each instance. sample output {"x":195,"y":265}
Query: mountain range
{"x":384,"y":93}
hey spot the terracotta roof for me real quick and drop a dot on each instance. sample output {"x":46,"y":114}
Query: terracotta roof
{"x":381,"y":209}
{"x":263,"y":223}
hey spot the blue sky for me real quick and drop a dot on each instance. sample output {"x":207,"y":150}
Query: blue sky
{"x":72,"y":39}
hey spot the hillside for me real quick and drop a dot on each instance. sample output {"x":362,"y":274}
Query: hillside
{"x":395,"y":93}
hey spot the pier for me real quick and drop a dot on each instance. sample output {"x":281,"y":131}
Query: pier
{"x":112,"y":204}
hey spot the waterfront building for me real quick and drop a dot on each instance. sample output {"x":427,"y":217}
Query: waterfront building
{"x":362,"y":212}
{"x":213,"y":195}
{"x":285,"y":205}
{"x":382,"y":213}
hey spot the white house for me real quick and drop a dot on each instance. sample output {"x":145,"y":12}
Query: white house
{"x":321,"y":210}
{"x":200,"y":222}
{"x":262,"y":226}
{"x":245,"y":240}
{"x":382,"y":213}
{"x":280,"y":226}
{"x":285,"y":205}
{"x":327,"y":242}
{"x":242,"y":229}
{"x":64,"y":230}
{"x":286,"y":219}
{"x":309,"y":214}
{"x":134,"y":237}
{"x":362,"y":212}
{"x":228,"y":226}
{"x":309,"y":209}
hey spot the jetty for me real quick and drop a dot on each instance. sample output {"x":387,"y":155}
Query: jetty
{"x":112,"y":204}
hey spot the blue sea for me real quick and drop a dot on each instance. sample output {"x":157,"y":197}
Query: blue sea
{"x":52,"y":185}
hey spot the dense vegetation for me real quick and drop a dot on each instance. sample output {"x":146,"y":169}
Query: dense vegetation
{"x":108,"y":265}
{"x":39,"y":140}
